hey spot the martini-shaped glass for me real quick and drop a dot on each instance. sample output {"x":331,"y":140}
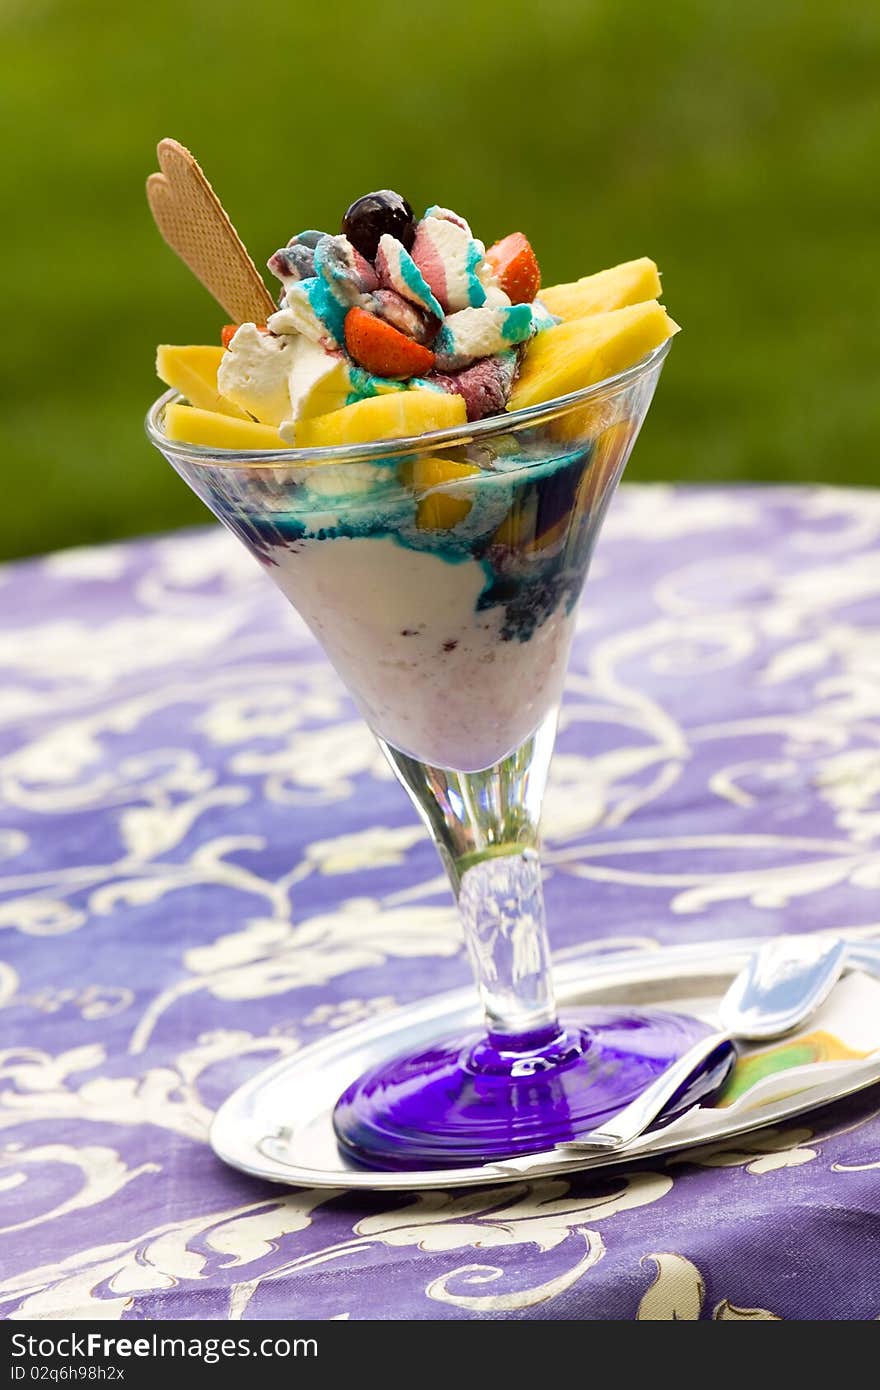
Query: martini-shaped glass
{"x":442,"y":575}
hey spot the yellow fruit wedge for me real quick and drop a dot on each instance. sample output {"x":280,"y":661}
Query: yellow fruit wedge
{"x":573,"y":355}
{"x":192,"y":370}
{"x":632,"y":282}
{"x":610,"y":452}
{"x":212,"y":430}
{"x":518,"y":527}
{"x":382,"y":417}
{"x":440,"y":511}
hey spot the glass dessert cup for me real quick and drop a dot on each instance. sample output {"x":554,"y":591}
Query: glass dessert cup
{"x":442,"y":576}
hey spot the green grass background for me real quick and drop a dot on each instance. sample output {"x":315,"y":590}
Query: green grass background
{"x":736,"y":144}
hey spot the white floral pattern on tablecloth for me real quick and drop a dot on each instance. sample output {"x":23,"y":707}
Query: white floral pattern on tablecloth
{"x":205,"y":864}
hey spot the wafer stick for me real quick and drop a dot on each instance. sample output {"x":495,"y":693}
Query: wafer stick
{"x":195,"y":225}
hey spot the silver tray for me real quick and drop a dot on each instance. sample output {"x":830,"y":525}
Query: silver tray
{"x":278,"y":1125}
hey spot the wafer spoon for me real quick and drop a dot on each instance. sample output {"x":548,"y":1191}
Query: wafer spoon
{"x":782,"y":985}
{"x":197,"y":227}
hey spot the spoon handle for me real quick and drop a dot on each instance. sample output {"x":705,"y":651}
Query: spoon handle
{"x":635,"y":1118}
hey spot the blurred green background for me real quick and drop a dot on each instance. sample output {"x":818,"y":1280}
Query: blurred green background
{"x":736,"y":144}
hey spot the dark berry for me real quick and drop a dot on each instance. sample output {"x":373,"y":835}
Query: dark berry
{"x":370,"y":217}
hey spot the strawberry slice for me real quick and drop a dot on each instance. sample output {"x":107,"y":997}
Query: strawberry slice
{"x":230,"y":330}
{"x":516,"y":266}
{"x":384,"y":350}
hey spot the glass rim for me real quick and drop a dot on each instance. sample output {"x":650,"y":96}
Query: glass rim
{"x":378,"y":449}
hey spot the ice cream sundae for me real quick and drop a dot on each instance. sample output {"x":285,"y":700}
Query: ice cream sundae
{"x":440,"y":577}
{"x":418,"y":442}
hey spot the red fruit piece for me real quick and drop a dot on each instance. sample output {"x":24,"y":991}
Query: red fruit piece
{"x":382,"y":349}
{"x":516,"y":266}
{"x":230,"y":330}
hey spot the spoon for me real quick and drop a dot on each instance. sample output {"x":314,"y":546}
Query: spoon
{"x":782,"y":984}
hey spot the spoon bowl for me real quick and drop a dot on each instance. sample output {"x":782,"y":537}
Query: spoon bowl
{"x":781,"y":986}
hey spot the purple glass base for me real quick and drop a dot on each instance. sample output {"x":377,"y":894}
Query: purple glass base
{"x":467,"y":1100}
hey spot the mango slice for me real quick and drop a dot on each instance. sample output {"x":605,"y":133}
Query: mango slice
{"x":631,"y":282}
{"x":382,"y":417}
{"x":212,"y":430}
{"x":192,"y":370}
{"x":573,"y":355}
{"x":440,"y":511}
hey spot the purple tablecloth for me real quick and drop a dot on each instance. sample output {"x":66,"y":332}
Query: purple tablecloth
{"x":205,"y":864}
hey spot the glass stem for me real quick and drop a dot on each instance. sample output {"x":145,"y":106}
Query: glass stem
{"x":485,"y":827}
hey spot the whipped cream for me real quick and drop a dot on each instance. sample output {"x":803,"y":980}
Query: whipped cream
{"x":254,"y":373}
{"x":318,"y":382}
{"x":473,"y":333}
{"x":398,"y":271}
{"x":449,"y":259}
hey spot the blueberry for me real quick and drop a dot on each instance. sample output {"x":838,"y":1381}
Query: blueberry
{"x":372,"y":216}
